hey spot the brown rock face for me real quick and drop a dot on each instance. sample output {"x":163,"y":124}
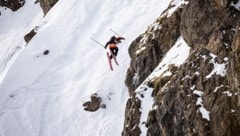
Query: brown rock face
{"x":201,"y":19}
{"x":46,"y":5}
{"x":94,"y":104}
{"x":30,"y":35}
{"x":149,"y":48}
{"x":146,"y":52}
{"x":202,"y":97}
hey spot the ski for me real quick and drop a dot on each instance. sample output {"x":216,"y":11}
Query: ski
{"x":109,"y":61}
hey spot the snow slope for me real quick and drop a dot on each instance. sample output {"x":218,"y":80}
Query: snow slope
{"x":42,"y":95}
{"x":14,"y":25}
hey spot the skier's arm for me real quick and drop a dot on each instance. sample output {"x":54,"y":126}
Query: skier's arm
{"x":120,"y":38}
{"x":106,"y":45}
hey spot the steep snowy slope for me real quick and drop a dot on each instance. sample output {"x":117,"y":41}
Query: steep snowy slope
{"x":42,"y":95}
{"x":14,"y":25}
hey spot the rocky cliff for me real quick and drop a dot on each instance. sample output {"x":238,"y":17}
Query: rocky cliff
{"x":202,"y":96}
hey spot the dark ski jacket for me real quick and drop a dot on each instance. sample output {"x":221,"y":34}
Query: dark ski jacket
{"x":114,"y":41}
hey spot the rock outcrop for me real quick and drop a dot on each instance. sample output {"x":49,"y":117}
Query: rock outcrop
{"x":30,"y":35}
{"x":149,"y":48}
{"x":14,"y":5}
{"x":94,"y":104}
{"x":46,"y":5}
{"x":202,"y":97}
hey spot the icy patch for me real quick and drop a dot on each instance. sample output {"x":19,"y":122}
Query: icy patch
{"x":196,"y":73}
{"x":199,"y":93}
{"x":186,"y":77}
{"x":236,"y":6}
{"x":228,"y":93}
{"x":216,"y":89}
{"x":225,"y":59}
{"x":204,"y":57}
{"x":204,"y":111}
{"x":168,"y":73}
{"x":193,"y":87}
{"x":219,"y":69}
{"x":233,"y":111}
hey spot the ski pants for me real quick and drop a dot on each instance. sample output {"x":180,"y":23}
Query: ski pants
{"x":114,"y":51}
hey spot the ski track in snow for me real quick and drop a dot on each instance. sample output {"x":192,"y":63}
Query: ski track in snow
{"x":42,"y":95}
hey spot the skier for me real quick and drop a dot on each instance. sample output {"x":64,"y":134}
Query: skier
{"x":112,"y":43}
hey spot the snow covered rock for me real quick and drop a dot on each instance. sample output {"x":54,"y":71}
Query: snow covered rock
{"x":146,"y":53}
{"x":201,"y":95}
{"x":150,"y":47}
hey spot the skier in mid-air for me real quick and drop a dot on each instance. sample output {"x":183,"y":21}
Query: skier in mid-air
{"x":112,"y":43}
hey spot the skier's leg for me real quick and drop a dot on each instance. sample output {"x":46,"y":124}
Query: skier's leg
{"x":115,"y":52}
{"x":112,"y":50}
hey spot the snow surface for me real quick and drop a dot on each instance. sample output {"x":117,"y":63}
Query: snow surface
{"x":42,"y":95}
{"x":14,"y":25}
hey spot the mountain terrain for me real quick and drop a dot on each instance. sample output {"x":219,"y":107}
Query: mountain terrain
{"x":178,"y":72}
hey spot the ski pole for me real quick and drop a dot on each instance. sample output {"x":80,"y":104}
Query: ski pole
{"x":97,"y":42}
{"x":115,"y":32}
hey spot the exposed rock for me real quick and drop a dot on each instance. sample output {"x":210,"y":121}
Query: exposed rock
{"x":149,"y":48}
{"x":14,"y":5}
{"x":46,"y":52}
{"x":146,"y":52}
{"x":30,"y":35}
{"x":46,"y":5}
{"x":200,"y":19}
{"x":198,"y":99}
{"x":132,"y":119}
{"x":94,"y":104}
